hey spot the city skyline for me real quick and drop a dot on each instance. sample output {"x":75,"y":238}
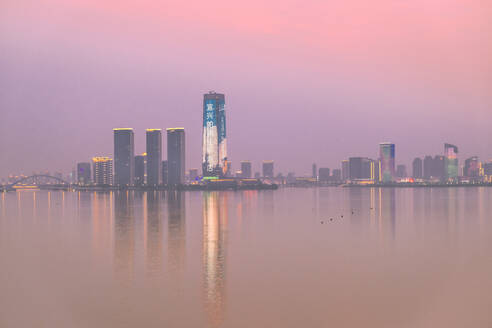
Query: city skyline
{"x":123,"y":144}
{"x":392,"y":72}
{"x":278,"y":163}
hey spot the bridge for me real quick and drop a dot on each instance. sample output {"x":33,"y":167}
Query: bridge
{"x":37,"y":180}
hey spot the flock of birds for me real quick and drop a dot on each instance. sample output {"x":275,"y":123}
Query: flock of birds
{"x":341,"y":215}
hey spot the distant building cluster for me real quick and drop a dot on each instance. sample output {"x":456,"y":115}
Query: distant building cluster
{"x":431,"y":169}
{"x":125,"y":168}
{"x":147,"y":169}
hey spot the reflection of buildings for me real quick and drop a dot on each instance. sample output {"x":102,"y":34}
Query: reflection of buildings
{"x":153,"y":233}
{"x":387,"y":213}
{"x":124,"y":234}
{"x":214,"y":254}
{"x":176,"y":231}
{"x":101,"y":210}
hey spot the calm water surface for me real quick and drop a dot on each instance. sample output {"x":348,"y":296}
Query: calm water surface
{"x":326,"y":257}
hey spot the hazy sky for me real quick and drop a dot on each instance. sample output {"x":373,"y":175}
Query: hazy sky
{"x":304,"y":80}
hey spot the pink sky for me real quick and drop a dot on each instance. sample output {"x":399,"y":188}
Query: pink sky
{"x":304,"y":80}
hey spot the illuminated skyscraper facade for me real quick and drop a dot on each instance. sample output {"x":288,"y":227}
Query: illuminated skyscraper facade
{"x":154,"y":156}
{"x":450,"y":161}
{"x":124,"y":156}
{"x":387,"y":162}
{"x":176,"y":156}
{"x":214,"y":142}
{"x":103,"y":170}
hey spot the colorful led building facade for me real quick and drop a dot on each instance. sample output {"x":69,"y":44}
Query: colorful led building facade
{"x":387,"y":162}
{"x":450,"y":161}
{"x":214,"y":142}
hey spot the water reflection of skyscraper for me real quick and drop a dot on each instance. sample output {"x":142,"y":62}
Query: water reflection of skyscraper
{"x":124,"y":234}
{"x":387,"y":213}
{"x":153,"y":233}
{"x":214,"y":254}
{"x":176,"y":232}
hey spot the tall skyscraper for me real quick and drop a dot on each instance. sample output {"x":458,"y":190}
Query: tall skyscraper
{"x":345,"y":170}
{"x":84,"y":173}
{"x":487,"y":170}
{"x":417,"y":172}
{"x":337,"y":175}
{"x":246,"y":169}
{"x":315,"y":171}
{"x":214,"y":142}
{"x":376,"y":170}
{"x":361,"y":168}
{"x":140,"y":169}
{"x":176,"y":165}
{"x":450,"y":161}
{"x":387,"y":160}
{"x":124,"y":156}
{"x":103,"y":170}
{"x":267,"y":169}
{"x":428,"y":164}
{"x":438,"y":168}
{"x":472,"y":167}
{"x":324,"y":174}
{"x":154,"y":156}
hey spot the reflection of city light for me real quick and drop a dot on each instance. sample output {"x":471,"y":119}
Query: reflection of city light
{"x":214,"y":224}
{"x":176,"y":232}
